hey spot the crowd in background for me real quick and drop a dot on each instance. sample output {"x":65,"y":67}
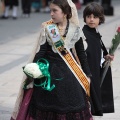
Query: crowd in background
{"x":29,"y":6}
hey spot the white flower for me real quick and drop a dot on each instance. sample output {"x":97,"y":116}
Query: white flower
{"x":32,"y":69}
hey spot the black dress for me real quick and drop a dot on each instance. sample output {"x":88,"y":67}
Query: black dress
{"x":101,"y":97}
{"x":67,"y":99}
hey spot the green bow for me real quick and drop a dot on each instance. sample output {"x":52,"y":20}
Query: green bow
{"x":44,"y":69}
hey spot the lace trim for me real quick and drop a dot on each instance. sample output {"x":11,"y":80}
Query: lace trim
{"x":42,"y":36}
{"x":74,"y":34}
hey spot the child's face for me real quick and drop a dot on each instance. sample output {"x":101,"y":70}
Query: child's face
{"x":92,"y":21}
{"x":56,"y":13}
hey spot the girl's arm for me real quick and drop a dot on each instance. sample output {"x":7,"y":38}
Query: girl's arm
{"x":41,"y":52}
{"x":82,"y":57}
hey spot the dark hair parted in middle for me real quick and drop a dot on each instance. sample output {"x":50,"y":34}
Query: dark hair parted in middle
{"x":95,"y":9}
{"x":63,"y":4}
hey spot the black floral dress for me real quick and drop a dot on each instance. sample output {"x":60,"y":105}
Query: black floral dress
{"x":67,"y":101}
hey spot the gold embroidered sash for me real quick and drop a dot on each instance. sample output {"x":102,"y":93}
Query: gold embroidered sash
{"x":66,"y":55}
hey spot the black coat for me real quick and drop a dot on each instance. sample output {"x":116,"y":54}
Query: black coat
{"x":101,"y":97}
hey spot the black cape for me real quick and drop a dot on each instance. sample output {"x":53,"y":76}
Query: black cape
{"x":101,"y":97}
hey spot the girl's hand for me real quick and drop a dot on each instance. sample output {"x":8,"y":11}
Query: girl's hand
{"x":109,"y":57}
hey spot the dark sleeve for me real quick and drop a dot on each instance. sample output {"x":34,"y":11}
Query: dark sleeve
{"x":82,"y":57}
{"x":105,"y":52}
{"x":41,"y":52}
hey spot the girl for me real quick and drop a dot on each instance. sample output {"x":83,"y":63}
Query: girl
{"x":101,"y":97}
{"x":67,"y":97}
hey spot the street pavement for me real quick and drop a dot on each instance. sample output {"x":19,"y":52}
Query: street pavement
{"x":17,"y":38}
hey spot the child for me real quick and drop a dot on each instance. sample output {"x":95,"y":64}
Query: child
{"x":67,"y":96}
{"x":10,"y":3}
{"x":93,"y":16}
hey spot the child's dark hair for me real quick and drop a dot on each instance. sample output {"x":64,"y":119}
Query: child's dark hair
{"x":95,"y":9}
{"x":63,"y":4}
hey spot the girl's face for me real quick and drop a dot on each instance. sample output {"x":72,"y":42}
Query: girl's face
{"x":92,"y":21}
{"x":56,"y":13}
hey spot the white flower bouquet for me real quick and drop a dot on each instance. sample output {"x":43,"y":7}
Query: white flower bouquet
{"x":37,"y":71}
{"x":33,"y":70}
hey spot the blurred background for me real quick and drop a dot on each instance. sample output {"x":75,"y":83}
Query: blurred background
{"x":24,"y":16}
{"x":23,"y":8}
{"x":20,"y":22}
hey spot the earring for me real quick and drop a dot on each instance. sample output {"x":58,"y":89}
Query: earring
{"x":64,"y":17}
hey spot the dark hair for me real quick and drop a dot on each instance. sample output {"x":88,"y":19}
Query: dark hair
{"x":95,"y":9}
{"x":63,"y":4}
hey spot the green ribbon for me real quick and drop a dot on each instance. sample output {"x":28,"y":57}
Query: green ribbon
{"x":44,"y":67}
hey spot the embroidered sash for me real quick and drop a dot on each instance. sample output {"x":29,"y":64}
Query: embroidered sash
{"x":66,"y":55}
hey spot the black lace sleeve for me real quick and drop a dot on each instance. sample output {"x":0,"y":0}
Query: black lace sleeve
{"x":41,"y":52}
{"x":82,"y":57}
